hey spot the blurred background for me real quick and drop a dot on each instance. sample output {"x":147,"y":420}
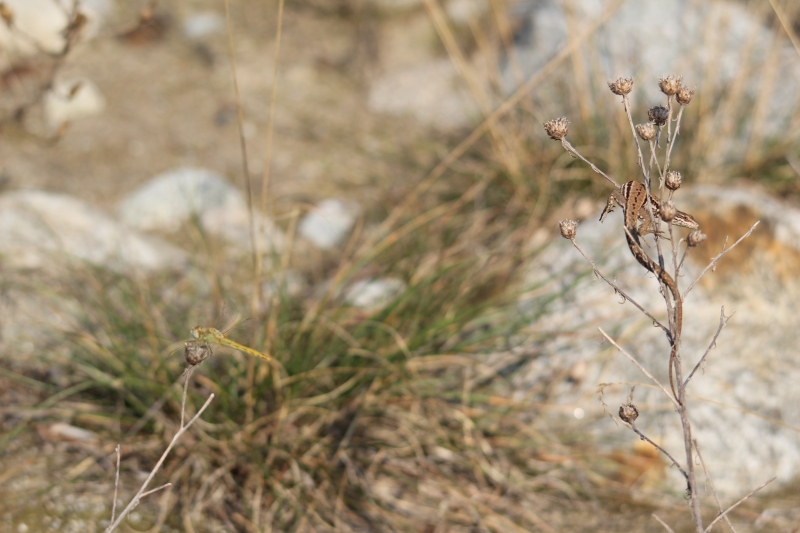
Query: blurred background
{"x":369,"y":184}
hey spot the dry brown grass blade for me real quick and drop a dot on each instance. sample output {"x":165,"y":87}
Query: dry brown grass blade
{"x":502,"y":140}
{"x":786,"y":24}
{"x":268,"y":151}
{"x":509,"y":104}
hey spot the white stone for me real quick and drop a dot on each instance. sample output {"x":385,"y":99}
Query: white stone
{"x":66,"y":431}
{"x":715,"y":45}
{"x":203,"y":24}
{"x":171,"y":199}
{"x":70,"y":100}
{"x":39,"y":25}
{"x":328,"y":223}
{"x":39,"y":228}
{"x":372,"y":294}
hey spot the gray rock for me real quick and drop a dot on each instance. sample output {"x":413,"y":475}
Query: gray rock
{"x":39,"y":25}
{"x":171,"y":199}
{"x":714,"y":45}
{"x":203,"y":24}
{"x":70,"y":100}
{"x":743,"y":403}
{"x":328,"y":223}
{"x":40,"y":228}
{"x":372,"y":294}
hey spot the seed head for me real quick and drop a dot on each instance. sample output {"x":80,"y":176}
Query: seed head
{"x":628,"y":412}
{"x":557,"y":128}
{"x":684,"y":95}
{"x":646,"y":131}
{"x":568,"y":228}
{"x":621,"y":86}
{"x":673,"y":180}
{"x":668,"y":211}
{"x":695,"y":238}
{"x":658,"y":115}
{"x":670,"y":85}
{"x":195,"y":352}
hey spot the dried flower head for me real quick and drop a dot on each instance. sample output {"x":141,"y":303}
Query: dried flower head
{"x":658,"y":115}
{"x":668,"y":211}
{"x":568,"y":228}
{"x":557,"y":128}
{"x":621,"y":86}
{"x":695,"y":238}
{"x":673,"y":180}
{"x":670,"y":85}
{"x":684,"y":95}
{"x":196,"y":352}
{"x":628,"y":412}
{"x":646,"y":131}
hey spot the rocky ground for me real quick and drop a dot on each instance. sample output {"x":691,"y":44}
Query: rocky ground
{"x":367,"y":102}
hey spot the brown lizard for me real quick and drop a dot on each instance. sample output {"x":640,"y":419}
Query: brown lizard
{"x":621,"y":196}
{"x":632,"y":197}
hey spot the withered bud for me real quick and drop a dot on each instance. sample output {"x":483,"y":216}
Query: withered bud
{"x":668,"y":211}
{"x":670,"y":85}
{"x":695,"y":238}
{"x":684,"y":95}
{"x":646,"y":131}
{"x":568,"y":228}
{"x":673,"y":180}
{"x":557,"y":128}
{"x":628,"y":413}
{"x":195,"y":352}
{"x":658,"y":115}
{"x":621,"y":86}
{"x":6,"y":14}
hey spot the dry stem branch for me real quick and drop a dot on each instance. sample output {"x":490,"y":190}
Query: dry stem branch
{"x":640,"y":367}
{"x":663,"y":523}
{"x":711,"y":484}
{"x":722,"y":321}
{"x":571,"y":149}
{"x":732,"y":507}
{"x":718,"y":257}
{"x":141,"y":493}
{"x":620,"y":291}
{"x":659,"y":448}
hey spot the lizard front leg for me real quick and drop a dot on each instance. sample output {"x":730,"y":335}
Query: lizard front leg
{"x":614,"y":198}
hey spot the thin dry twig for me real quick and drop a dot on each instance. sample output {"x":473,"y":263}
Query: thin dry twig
{"x":662,"y":523}
{"x":718,"y":257}
{"x":141,"y":493}
{"x":620,"y":291}
{"x":254,"y":242}
{"x":627,"y":105}
{"x":162,"y":487}
{"x":509,"y":104}
{"x":711,"y":484}
{"x":659,"y":448}
{"x":722,"y":321}
{"x":116,"y":488}
{"x":571,"y":149}
{"x":640,"y":367}
{"x":732,"y":507}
